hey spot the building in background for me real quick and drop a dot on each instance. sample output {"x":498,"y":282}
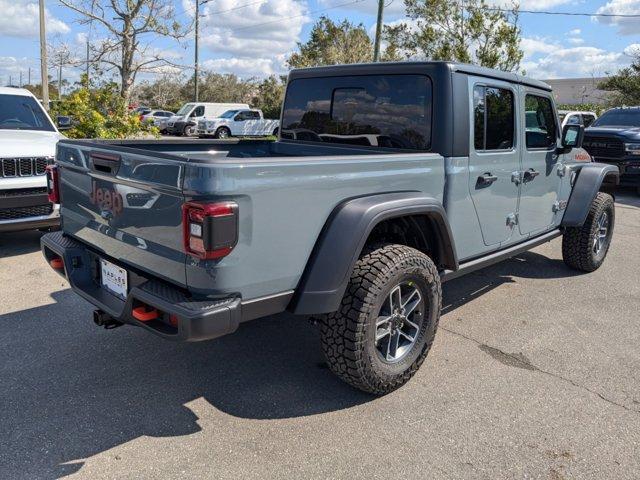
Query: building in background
{"x":576,"y":91}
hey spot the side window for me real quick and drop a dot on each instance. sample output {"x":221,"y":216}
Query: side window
{"x":574,"y":120}
{"x":493,"y":112}
{"x":252,"y":115}
{"x":198,"y":112}
{"x":541,"y":132}
{"x":588,"y":120}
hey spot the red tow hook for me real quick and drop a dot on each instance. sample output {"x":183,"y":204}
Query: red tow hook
{"x":56,"y":263}
{"x":144,"y":313}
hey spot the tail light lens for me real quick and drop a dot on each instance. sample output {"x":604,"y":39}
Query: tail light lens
{"x":210,"y":230}
{"x":53,"y":183}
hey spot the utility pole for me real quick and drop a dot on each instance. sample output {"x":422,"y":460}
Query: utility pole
{"x":20,"y":84}
{"x":43,"y":59}
{"x":60,"y":80}
{"x":376,"y":48}
{"x":196,"y":72}
{"x":29,"y":77}
{"x":87,"y":66}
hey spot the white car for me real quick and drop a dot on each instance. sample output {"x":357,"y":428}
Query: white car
{"x":28,"y":140}
{"x":569,"y":117}
{"x":238,"y":123}
{"x":185,"y":121}
{"x":159,"y":118}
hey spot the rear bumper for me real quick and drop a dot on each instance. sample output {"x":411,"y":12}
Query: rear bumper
{"x":198,"y":319}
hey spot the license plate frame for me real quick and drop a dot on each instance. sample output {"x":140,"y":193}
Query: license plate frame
{"x":114,"y":279}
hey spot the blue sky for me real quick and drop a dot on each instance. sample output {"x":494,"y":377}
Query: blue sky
{"x":253,"y":37}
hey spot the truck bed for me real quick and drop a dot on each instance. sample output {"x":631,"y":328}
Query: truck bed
{"x":285,"y":193}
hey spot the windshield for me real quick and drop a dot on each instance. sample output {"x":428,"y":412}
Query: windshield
{"x":619,"y":118}
{"x":19,"y":112}
{"x":229,"y":114}
{"x":186,"y":108}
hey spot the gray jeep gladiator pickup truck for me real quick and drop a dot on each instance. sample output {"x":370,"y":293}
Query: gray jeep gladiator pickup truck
{"x":387,"y":180}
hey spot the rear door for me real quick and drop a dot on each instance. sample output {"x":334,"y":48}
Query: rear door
{"x":540,"y":162}
{"x":127,"y":206}
{"x":494,"y":157}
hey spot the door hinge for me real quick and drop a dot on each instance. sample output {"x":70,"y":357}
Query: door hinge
{"x":562,"y":170}
{"x":516,"y":177}
{"x":512,"y":220}
{"x":559,"y":205}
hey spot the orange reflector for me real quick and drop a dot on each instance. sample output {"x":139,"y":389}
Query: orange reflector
{"x":56,"y":263}
{"x":144,"y":315}
{"x":173,"y":319}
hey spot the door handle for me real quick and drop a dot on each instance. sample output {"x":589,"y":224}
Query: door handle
{"x":486,"y":179}
{"x":530,"y":175}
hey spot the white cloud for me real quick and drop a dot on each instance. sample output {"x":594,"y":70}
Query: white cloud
{"x":576,"y":41}
{"x":21,"y":19}
{"x":626,"y":26}
{"x":546,"y":59}
{"x":257,"y":36}
{"x":575,"y":31}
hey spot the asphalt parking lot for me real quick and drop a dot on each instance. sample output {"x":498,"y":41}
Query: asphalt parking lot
{"x":535,"y":373}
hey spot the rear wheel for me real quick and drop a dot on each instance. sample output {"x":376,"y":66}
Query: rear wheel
{"x":385,"y":326}
{"x":222,"y":132}
{"x":585,"y":248}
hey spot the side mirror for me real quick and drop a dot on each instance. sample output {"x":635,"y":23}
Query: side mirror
{"x":63,"y":122}
{"x":572,"y":137}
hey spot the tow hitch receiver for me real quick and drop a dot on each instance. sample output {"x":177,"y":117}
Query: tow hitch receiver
{"x":103,"y":319}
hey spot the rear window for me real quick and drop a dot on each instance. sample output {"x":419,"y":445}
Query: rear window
{"x":389,"y":111}
{"x":21,"y":112}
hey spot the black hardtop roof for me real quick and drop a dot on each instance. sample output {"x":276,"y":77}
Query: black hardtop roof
{"x":401,"y":67}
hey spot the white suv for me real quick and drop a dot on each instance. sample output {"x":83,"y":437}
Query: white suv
{"x":28,"y":140}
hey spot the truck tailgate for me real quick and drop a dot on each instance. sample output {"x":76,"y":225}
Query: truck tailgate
{"x":125,"y":205}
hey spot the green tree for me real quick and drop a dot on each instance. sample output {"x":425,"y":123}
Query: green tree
{"x":166,"y":92}
{"x":624,"y":85}
{"x":100,"y":113}
{"x":469,"y":31}
{"x":333,"y":43}
{"x":268,"y":98}
{"x":222,"y":88}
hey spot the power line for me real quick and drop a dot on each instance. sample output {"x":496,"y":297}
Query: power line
{"x":572,"y":14}
{"x":239,"y":7}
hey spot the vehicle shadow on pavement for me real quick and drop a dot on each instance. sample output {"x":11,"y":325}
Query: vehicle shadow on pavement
{"x":72,"y":390}
{"x":19,"y":243}
{"x":460,"y":291}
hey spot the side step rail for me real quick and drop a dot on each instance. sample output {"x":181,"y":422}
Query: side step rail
{"x":496,"y":257}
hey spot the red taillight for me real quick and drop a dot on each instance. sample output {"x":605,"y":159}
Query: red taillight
{"x":210,"y":230}
{"x":53,"y":183}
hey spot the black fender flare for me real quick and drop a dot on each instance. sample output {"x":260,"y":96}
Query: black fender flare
{"x":343,"y":237}
{"x":585,"y":188}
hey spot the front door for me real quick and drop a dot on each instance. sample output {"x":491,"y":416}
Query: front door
{"x":540,"y":176}
{"x":493,"y":158}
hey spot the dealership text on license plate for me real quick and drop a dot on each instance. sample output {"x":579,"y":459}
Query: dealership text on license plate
{"x":113,"y":279}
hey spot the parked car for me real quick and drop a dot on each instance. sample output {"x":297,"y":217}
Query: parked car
{"x":238,"y":123}
{"x":159,"y":118}
{"x":614,"y":138}
{"x":28,"y":137}
{"x":185,"y":121}
{"x":359,"y":237}
{"x":570,"y":117}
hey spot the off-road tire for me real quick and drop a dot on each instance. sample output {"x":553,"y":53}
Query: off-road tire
{"x":578,"y":242}
{"x":348,"y":335}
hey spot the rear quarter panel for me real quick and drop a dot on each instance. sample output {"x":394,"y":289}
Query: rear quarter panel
{"x":284,"y":204}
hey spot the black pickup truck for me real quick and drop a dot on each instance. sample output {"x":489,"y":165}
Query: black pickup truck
{"x":614,"y":138}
